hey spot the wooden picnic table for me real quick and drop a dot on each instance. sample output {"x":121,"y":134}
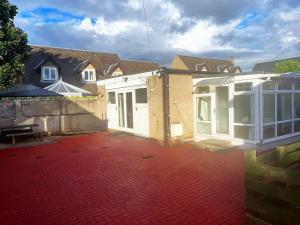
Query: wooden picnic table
{"x":19,"y":130}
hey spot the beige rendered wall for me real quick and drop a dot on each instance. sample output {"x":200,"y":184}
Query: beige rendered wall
{"x":178,"y":64}
{"x":102,"y":98}
{"x":155,"y":99}
{"x":181,"y":103}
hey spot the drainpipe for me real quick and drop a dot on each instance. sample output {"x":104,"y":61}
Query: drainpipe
{"x":166,"y":105}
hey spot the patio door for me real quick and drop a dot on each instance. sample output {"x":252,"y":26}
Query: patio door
{"x":203,"y":117}
{"x":125,"y":110}
{"x":222,"y":110}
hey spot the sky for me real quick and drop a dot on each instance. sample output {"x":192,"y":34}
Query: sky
{"x":249,"y":30}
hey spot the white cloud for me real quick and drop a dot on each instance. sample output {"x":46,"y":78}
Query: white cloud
{"x":103,"y":27}
{"x":202,"y":37}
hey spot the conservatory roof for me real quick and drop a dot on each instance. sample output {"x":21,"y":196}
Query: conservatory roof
{"x":66,"y":89}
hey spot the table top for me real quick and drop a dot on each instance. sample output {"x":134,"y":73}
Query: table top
{"x":19,"y":126}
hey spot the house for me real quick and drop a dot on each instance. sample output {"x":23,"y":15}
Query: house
{"x":254,"y":109}
{"x":205,"y":64}
{"x":78,"y":68}
{"x":269,"y":66}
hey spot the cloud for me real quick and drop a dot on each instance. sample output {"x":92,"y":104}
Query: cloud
{"x":250,"y":30}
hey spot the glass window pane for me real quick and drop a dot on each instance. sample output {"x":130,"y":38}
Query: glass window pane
{"x":53,"y":74}
{"x":268,"y":85}
{"x":47,"y":73}
{"x":243,"y":109}
{"x":141,"y":95}
{"x":297,"y":85}
{"x":284,"y":107}
{"x":297,"y":126}
{"x":202,"y":90}
{"x":204,"y":109}
{"x":247,"y":86}
{"x":284,"y":128}
{"x":284,"y":85}
{"x":203,"y":128}
{"x":111,"y":98}
{"x":244,"y":132}
{"x":269,"y":131}
{"x":297,"y":105}
{"x":269,"y":108}
{"x":86,"y":75}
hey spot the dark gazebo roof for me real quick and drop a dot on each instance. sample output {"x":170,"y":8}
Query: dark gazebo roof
{"x":26,"y":90}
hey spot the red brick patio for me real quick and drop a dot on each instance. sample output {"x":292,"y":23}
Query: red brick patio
{"x":104,"y":179}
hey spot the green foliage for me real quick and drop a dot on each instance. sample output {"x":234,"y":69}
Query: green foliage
{"x":287,"y":66}
{"x":13,"y":46}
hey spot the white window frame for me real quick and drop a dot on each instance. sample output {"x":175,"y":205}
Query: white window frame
{"x":276,"y":91}
{"x":44,"y":68}
{"x":253,"y":95}
{"x":89,"y":71}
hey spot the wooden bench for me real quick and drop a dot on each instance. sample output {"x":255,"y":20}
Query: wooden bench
{"x":31,"y":133}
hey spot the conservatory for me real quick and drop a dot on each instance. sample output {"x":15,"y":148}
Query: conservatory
{"x":249,"y":108}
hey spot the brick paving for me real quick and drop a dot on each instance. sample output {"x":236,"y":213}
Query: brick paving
{"x":105,"y":179}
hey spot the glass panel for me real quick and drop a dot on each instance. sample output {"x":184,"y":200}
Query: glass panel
{"x":141,"y":95}
{"x":269,"y":131}
{"x":284,"y":128}
{"x":284,"y":85}
{"x":269,"y":108}
{"x":247,"y":86}
{"x":204,"y":108}
{"x":129,"y":110}
{"x":202,"y":90}
{"x":203,"y":128}
{"x":297,"y":105}
{"x":121,"y":109}
{"x":53,"y":74}
{"x":297,"y":85}
{"x":47,"y":73}
{"x":244,"y":132}
{"x":297,"y":126}
{"x":91,"y":75}
{"x":243,"y":109}
{"x":111,"y":98}
{"x":284,"y":107}
{"x":222,"y":110}
{"x":268,"y":85}
{"x":86,"y":75}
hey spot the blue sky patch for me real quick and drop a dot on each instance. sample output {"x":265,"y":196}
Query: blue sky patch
{"x":252,"y":17}
{"x":50,"y":15}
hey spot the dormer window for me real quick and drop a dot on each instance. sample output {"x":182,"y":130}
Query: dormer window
{"x":49,"y":73}
{"x":116,"y":73}
{"x":89,"y":75}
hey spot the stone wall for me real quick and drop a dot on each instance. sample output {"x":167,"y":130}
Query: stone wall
{"x":53,"y":116}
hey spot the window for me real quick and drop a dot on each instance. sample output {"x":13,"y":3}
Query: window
{"x":247,"y":86}
{"x":116,"y":73}
{"x":49,"y":73}
{"x":284,"y":85}
{"x":269,"y":108}
{"x":297,"y":105}
{"x":284,"y":107}
{"x":202,"y":90}
{"x":141,"y":95}
{"x":268,"y":85}
{"x":243,"y":109}
{"x":204,"y":115}
{"x":111,"y":98}
{"x":89,"y":75}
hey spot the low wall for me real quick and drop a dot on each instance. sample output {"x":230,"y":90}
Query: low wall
{"x":53,"y":116}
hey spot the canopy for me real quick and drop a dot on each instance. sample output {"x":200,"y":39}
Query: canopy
{"x":217,"y":81}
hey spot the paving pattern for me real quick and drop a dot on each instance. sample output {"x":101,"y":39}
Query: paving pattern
{"x":109,"y":179}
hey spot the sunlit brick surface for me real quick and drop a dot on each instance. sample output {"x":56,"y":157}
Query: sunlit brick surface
{"x":104,"y":179}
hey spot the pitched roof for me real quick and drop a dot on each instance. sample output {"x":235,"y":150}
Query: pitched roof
{"x":133,"y":67}
{"x":69,"y":62}
{"x":66,"y":89}
{"x":212,"y":65}
{"x":269,"y":66}
{"x":26,"y":90}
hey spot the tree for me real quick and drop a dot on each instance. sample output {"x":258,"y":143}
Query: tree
{"x":13,"y":46}
{"x":286,"y":66}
